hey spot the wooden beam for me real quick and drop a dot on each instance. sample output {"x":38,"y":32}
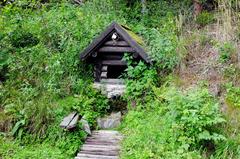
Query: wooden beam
{"x":114,"y":62}
{"x":97,"y":42}
{"x":116,"y":43}
{"x":111,"y":57}
{"x":98,"y":71}
{"x":116,"y":49}
{"x":104,"y":68}
{"x":104,"y":75}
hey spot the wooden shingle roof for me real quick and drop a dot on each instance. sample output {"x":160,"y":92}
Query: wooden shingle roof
{"x":131,"y":38}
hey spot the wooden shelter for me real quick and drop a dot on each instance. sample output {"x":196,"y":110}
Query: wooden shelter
{"x":107,"y":50}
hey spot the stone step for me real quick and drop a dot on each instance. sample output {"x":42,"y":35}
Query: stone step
{"x":112,"y":81}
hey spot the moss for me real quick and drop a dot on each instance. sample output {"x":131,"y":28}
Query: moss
{"x":134,"y":36}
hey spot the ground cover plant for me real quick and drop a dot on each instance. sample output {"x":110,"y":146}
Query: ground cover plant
{"x":175,"y":125}
{"x":42,"y":78}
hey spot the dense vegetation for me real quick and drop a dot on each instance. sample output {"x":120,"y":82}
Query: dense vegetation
{"x":170,"y":115}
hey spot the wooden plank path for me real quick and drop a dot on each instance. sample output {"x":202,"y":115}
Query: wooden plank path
{"x":102,"y":144}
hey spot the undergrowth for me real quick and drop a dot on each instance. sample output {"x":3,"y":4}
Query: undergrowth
{"x":42,"y":79}
{"x":175,"y":124}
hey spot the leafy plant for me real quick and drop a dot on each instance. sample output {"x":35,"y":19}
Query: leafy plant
{"x":20,"y":38}
{"x":233,"y":96}
{"x":226,"y":52}
{"x":205,"y":18}
{"x":230,"y":147}
{"x":163,"y":42}
{"x":232,"y":74}
{"x":139,"y":79}
{"x":177,"y":125}
{"x":88,"y":103}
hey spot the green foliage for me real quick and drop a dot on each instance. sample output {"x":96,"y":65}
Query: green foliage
{"x":228,"y":149}
{"x":139,"y":79}
{"x":177,"y":125}
{"x":232,"y":74}
{"x":13,"y":149}
{"x":31,"y":115}
{"x":156,"y":12}
{"x":4,"y":61}
{"x":233,"y":96}
{"x":20,"y":38}
{"x":44,"y":80}
{"x":226,"y":52}
{"x":163,"y":43}
{"x":43,"y":77}
{"x":205,"y":18}
{"x":90,"y":104}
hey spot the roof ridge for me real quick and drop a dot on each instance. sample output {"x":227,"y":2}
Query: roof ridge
{"x":126,"y":35}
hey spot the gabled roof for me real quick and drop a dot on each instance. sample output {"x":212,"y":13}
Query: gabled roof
{"x":131,"y":38}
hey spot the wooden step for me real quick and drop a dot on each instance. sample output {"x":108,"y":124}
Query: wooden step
{"x":88,"y":156}
{"x":102,"y":144}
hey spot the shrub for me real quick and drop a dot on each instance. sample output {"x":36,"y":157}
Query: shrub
{"x":139,"y":79}
{"x":91,"y":106}
{"x":226,"y":52}
{"x":230,"y":148}
{"x":21,"y":38}
{"x":177,"y":125}
{"x":232,"y":74}
{"x":162,"y":45}
{"x":204,"y":18}
{"x":233,"y":96}
{"x":40,"y":46}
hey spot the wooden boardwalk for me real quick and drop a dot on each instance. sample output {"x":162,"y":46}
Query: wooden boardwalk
{"x":102,"y":144}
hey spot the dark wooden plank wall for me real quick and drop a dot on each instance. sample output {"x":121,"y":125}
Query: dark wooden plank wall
{"x":116,"y":49}
{"x":115,"y":43}
{"x":110,"y":54}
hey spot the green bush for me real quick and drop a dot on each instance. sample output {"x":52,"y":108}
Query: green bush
{"x":178,"y":125}
{"x":20,"y":38}
{"x":40,"y":46}
{"x":90,"y":104}
{"x":232,"y":73}
{"x":233,"y":96}
{"x":230,"y":148}
{"x":226,"y":52}
{"x":139,"y":79}
{"x":162,"y":45}
{"x":205,"y":18}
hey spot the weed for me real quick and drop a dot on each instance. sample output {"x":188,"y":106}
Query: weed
{"x":177,"y":125}
{"x":204,"y":18}
{"x":226,"y":52}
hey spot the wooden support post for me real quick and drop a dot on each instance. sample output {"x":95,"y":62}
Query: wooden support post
{"x":116,"y":43}
{"x":98,"y":71}
{"x":116,"y":49}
